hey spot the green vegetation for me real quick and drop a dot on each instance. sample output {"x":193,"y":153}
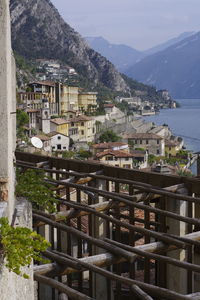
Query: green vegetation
{"x":109,"y":136}
{"x":33,"y":186}
{"x":24,"y":64}
{"x":18,"y":246}
{"x":68,"y":154}
{"x":81,"y":154}
{"x":185,"y":173}
{"x":123,"y":106}
{"x":22,"y":120}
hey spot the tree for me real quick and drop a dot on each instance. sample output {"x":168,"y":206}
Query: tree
{"x":22,"y":120}
{"x":109,"y":136}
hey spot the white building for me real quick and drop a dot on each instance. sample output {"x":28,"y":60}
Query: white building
{"x":59,"y":141}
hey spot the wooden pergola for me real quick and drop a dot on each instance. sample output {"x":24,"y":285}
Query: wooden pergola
{"x":118,"y":233}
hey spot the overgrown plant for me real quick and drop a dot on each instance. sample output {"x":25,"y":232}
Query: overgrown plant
{"x":32,"y":185}
{"x":18,"y":246}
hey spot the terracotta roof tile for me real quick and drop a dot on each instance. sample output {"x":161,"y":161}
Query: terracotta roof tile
{"x":116,"y":153}
{"x":59,"y":121}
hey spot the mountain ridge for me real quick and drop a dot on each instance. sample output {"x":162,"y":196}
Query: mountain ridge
{"x":176,"y":68}
{"x":44,"y":33}
{"x":119,"y":54}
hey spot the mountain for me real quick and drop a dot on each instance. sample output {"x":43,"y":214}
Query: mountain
{"x":122,"y":56}
{"x":168,"y":43}
{"x":38,"y":31}
{"x":177,"y":69}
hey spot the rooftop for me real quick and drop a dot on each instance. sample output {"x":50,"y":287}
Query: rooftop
{"x":116,"y":153}
{"x":143,"y":136}
{"x":59,"y":121}
{"x":109,"y":145}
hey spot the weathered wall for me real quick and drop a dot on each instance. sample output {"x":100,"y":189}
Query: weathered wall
{"x":12,"y":286}
{"x":7,"y":109}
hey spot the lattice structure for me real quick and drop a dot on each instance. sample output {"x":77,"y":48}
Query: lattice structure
{"x":118,"y":233}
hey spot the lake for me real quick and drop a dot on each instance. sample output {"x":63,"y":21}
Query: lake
{"x":183,"y":121}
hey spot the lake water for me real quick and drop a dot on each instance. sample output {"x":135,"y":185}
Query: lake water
{"x":183,"y":121}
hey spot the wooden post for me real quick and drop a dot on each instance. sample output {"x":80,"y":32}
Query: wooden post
{"x":99,"y":225}
{"x":176,"y":279}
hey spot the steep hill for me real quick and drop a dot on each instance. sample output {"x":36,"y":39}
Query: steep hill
{"x":122,"y":56}
{"x":177,"y":69}
{"x":38,"y":31}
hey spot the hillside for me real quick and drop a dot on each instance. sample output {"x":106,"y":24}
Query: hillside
{"x":177,"y":69}
{"x":168,"y":43}
{"x":38,"y":31}
{"x":122,"y":56}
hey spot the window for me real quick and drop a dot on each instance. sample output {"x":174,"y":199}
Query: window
{"x":116,"y":158}
{"x":109,"y":157}
{"x":126,"y":158}
{"x":158,"y":142}
{"x":72,"y":124}
{"x":59,"y":147}
{"x":82,"y":123}
{"x":140,"y":142}
{"x":53,"y":147}
{"x":64,"y":148}
{"x":158,"y":151}
{"x":59,"y":137}
{"x":127,"y":166}
{"x":82,"y":132}
{"x":116,"y":165}
{"x":170,"y":148}
{"x":135,"y":141}
{"x":147,"y":142}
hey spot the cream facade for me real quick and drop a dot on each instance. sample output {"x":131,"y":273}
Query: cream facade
{"x":68,"y":98}
{"x":86,"y":127}
{"x":87,"y":101}
{"x":116,"y":158}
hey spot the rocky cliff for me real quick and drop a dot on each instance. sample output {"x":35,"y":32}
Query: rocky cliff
{"x":38,"y":31}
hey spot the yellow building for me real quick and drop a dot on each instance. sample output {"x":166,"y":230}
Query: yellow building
{"x":87,"y":101}
{"x":172,"y":148}
{"x":68,"y":98}
{"x":86,"y":127}
{"x":60,"y":125}
{"x":116,"y":158}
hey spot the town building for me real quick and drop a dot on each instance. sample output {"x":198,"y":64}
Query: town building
{"x":86,"y":127}
{"x":87,"y":101}
{"x":60,"y":125}
{"x":46,"y":142}
{"x":116,"y":158}
{"x":172,"y":147}
{"x":152,"y":143}
{"x":68,"y":98}
{"x":59,"y":141}
{"x":46,"y":88}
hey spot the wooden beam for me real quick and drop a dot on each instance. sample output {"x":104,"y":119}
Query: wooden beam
{"x":107,"y":259}
{"x":74,"y":294}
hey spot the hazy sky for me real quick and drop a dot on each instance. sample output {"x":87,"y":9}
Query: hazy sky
{"x":138,"y":23}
